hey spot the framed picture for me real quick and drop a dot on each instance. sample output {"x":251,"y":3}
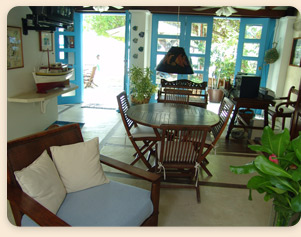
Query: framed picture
{"x":46,"y":41}
{"x":296,"y":53}
{"x":14,"y":48}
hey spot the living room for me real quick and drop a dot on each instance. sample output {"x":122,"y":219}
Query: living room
{"x":28,"y":118}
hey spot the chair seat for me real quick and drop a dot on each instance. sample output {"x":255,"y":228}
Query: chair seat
{"x":112,"y":204}
{"x":286,"y":110}
{"x":142,"y":131}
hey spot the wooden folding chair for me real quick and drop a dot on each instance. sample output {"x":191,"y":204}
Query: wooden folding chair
{"x":176,"y":96}
{"x":180,"y":153}
{"x":224,"y":113}
{"x":89,"y":79}
{"x":137,"y":133}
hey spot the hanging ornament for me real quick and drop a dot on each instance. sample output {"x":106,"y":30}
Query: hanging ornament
{"x":271,"y":55}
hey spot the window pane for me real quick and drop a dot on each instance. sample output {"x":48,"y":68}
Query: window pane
{"x":196,"y":77}
{"x":253,"y":32}
{"x":249,"y":66}
{"x":199,"y":29}
{"x":198,"y":63}
{"x":169,"y":28}
{"x":198,"y":46}
{"x":62,"y":55}
{"x":251,"y":50}
{"x":165,"y":44}
{"x":61,"y":41}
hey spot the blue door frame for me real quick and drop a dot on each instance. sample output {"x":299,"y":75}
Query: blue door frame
{"x":266,"y":42}
{"x":72,"y":56}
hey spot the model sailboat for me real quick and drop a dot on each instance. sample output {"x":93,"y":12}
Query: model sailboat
{"x":55,"y":75}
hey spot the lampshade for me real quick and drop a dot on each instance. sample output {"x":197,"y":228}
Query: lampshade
{"x":175,"y":61}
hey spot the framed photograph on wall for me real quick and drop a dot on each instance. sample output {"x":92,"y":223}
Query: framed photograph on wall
{"x":14,"y":48}
{"x":296,"y":53}
{"x":46,"y":41}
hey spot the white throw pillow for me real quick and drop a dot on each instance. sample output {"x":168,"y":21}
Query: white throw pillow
{"x":79,"y":165}
{"x":41,"y":181}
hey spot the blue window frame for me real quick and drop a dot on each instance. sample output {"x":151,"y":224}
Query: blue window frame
{"x":194,"y":34}
{"x":190,"y":32}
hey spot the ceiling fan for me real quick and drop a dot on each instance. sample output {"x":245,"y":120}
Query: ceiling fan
{"x":103,"y":8}
{"x":228,"y":11}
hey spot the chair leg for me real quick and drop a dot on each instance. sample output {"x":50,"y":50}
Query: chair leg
{"x":273,"y":122}
{"x":198,"y":194}
{"x":283,"y":122}
{"x":205,"y":169}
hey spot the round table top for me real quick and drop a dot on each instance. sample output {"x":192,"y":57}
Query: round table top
{"x":156,"y":114}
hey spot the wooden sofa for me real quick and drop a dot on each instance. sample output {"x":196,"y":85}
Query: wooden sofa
{"x":199,"y":97}
{"x":23,"y":151}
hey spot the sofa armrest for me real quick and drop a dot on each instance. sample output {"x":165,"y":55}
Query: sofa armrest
{"x":132,"y":170}
{"x":27,"y":205}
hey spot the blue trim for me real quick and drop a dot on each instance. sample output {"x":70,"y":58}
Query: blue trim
{"x":268,"y":26}
{"x":127,"y":51}
{"x":184,"y":39}
{"x":77,"y":52}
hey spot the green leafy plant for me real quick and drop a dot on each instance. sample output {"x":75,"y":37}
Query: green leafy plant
{"x":142,"y":87}
{"x":278,"y":174}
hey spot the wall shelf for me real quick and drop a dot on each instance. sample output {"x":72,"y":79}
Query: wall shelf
{"x":33,"y":97}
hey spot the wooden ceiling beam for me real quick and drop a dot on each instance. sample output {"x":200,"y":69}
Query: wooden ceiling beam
{"x":268,"y":12}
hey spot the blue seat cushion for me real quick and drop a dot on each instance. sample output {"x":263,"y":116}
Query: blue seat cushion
{"x":111,"y":204}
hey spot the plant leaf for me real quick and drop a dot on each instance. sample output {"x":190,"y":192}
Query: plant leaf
{"x":270,"y":168}
{"x":277,"y":190}
{"x":260,"y":148}
{"x":278,"y":143}
{"x":244,"y":169}
{"x":296,"y":203}
{"x":296,"y":174}
{"x":282,"y":183}
{"x":258,"y":181}
{"x":296,"y":143}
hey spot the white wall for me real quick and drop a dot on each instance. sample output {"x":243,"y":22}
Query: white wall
{"x":22,"y":118}
{"x":142,"y":20}
{"x":278,"y":70}
{"x":293,"y":76}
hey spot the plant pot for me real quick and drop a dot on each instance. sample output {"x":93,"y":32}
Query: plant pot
{"x":215,"y":95}
{"x":134,"y":101}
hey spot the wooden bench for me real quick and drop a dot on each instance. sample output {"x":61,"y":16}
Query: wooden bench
{"x":198,"y":96}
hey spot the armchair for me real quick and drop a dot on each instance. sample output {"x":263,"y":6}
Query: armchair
{"x":283,"y":109}
{"x":89,"y":207}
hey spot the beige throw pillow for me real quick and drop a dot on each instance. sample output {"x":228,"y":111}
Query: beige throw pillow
{"x":79,"y":165}
{"x":41,"y":181}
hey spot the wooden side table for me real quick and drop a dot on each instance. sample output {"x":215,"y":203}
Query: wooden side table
{"x":249,"y":103}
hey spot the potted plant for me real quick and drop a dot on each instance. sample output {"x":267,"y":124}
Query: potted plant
{"x":141,"y":85}
{"x":278,"y":174}
{"x":214,"y":92}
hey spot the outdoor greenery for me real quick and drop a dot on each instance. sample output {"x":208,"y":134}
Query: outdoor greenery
{"x":278,"y":174}
{"x":224,"y":48}
{"x":101,"y":23}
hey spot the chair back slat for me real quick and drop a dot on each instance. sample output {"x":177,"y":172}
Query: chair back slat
{"x":182,"y":145}
{"x":224,"y":113}
{"x":124,"y":106}
{"x":177,"y":96}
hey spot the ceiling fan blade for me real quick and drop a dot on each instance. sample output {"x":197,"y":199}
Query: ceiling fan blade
{"x":199,"y":9}
{"x":225,"y":11}
{"x":118,"y":7}
{"x":251,"y":8}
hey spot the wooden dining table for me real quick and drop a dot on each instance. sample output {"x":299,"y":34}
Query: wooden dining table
{"x":156,"y":114}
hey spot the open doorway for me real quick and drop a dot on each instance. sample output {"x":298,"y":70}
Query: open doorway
{"x":103,"y":49}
